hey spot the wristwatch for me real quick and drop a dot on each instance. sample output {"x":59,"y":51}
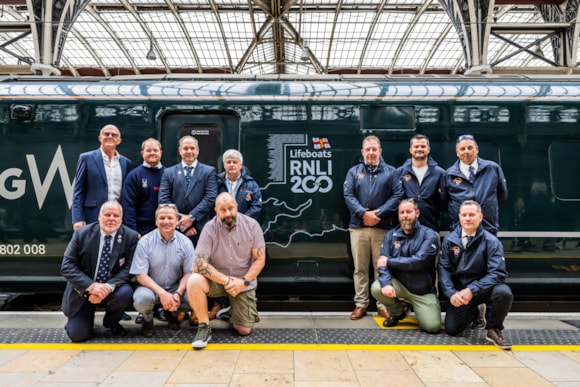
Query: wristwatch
{"x":246,"y":282}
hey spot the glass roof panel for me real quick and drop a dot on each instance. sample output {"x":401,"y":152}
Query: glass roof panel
{"x":107,"y":33}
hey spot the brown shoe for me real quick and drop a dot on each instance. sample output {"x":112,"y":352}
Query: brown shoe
{"x":494,"y":336}
{"x":147,"y":329}
{"x":193,"y":321}
{"x":383,"y":313}
{"x":214,"y":310}
{"x":358,"y":313}
{"x":172,"y":322}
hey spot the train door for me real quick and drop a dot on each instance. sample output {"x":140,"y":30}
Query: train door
{"x":215,"y":131}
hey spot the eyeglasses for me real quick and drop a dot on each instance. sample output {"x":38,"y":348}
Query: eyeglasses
{"x":110,"y":134}
{"x":465,"y":137}
{"x":170,"y":205}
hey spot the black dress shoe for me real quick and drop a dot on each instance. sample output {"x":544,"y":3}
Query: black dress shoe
{"x":161,"y":314}
{"x":392,"y":320}
{"x":117,"y":329}
{"x":139,"y":319}
{"x":172,"y":322}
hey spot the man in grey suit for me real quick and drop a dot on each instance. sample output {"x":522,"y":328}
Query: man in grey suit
{"x":99,"y":177}
{"x":96,"y":266}
{"x":192,"y":187}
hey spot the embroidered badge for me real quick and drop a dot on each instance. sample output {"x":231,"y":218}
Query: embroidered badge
{"x":457,"y":180}
{"x":248,"y":196}
{"x":144,"y":183}
{"x":397,"y":244}
{"x":407,"y":177}
{"x":119,"y":239}
{"x":360,"y":176}
{"x":456,"y":250}
{"x":122,"y":261}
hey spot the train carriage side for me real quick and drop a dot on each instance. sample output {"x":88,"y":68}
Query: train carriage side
{"x":298,"y":141}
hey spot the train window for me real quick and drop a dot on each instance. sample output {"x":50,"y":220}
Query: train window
{"x":55,"y":113}
{"x":480,"y":113}
{"x":397,"y":118}
{"x":553,"y":114}
{"x":564,"y":158}
{"x":133,"y":113}
{"x":427,"y":114}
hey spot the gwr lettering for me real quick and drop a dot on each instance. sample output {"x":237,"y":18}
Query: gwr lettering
{"x":12,"y":187}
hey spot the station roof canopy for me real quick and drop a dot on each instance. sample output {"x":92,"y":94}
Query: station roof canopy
{"x":120,"y":37}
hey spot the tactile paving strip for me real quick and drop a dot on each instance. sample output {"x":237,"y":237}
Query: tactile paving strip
{"x":297,"y":336}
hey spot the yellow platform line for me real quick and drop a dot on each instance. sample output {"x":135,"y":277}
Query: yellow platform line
{"x":284,"y":347}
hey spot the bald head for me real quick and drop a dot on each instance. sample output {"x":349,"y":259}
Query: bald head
{"x":226,"y":209}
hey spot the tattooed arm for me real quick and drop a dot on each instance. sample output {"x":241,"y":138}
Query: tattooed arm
{"x":202,"y":266}
{"x":259,"y":256}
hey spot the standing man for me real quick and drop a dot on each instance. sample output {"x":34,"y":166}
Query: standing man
{"x":473,"y":178}
{"x":192,"y":186}
{"x":242,"y":186}
{"x":423,"y":180}
{"x":228,"y":259}
{"x":472,"y":271}
{"x":141,"y":189}
{"x":96,"y":266}
{"x":372,"y":191}
{"x":99,"y":177}
{"x":407,"y":270}
{"x":162,"y":265}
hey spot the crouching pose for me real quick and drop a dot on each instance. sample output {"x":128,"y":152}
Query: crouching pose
{"x":229,"y":257}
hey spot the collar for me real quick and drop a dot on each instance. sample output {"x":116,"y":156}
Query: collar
{"x":194,"y":165}
{"x":158,"y":166}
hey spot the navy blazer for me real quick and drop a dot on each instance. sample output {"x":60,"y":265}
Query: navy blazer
{"x":79,"y":263}
{"x":90,"y":187}
{"x":198,"y":199}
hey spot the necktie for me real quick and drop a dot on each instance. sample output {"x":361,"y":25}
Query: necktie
{"x":471,"y":173}
{"x":188,"y":171}
{"x":103,"y":269}
{"x":468,"y":238}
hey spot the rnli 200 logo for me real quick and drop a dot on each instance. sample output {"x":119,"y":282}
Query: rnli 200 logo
{"x":305,"y":163}
{"x":311,"y":170}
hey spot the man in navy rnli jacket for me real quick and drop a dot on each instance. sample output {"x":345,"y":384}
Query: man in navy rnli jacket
{"x":423,"y":180}
{"x":472,"y":272}
{"x":473,"y":178}
{"x":407,"y":270}
{"x":372,"y":192}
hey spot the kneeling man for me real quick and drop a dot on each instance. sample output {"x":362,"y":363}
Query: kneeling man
{"x":407,"y":271}
{"x":229,"y":257}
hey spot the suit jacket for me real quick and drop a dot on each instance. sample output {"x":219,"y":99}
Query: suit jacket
{"x":90,"y":187}
{"x":79,"y":263}
{"x":198,"y":199}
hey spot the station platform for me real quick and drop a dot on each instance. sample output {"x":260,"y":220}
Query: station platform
{"x":291,"y":349}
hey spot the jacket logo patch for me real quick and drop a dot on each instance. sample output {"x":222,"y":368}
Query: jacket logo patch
{"x":456,"y":250}
{"x":360,"y":176}
{"x":407,"y":177}
{"x":457,"y":180}
{"x":397,"y":244}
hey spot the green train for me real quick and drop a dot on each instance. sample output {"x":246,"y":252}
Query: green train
{"x":299,"y":136}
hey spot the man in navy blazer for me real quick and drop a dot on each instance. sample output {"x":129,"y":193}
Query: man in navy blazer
{"x":194,"y":200}
{"x":99,"y":177}
{"x":85,"y":290}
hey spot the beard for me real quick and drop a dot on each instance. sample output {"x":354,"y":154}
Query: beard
{"x":229,"y":221}
{"x":408,"y":225}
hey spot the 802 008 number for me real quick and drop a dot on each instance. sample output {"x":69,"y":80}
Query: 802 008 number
{"x":14,"y":249}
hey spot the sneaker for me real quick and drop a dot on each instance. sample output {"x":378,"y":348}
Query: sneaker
{"x":202,"y":337}
{"x":494,"y":336}
{"x":160,"y":312}
{"x":225,"y":313}
{"x":479,"y":321}
{"x":139,"y":319}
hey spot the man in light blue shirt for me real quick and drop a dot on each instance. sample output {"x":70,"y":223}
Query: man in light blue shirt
{"x":163,"y":263}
